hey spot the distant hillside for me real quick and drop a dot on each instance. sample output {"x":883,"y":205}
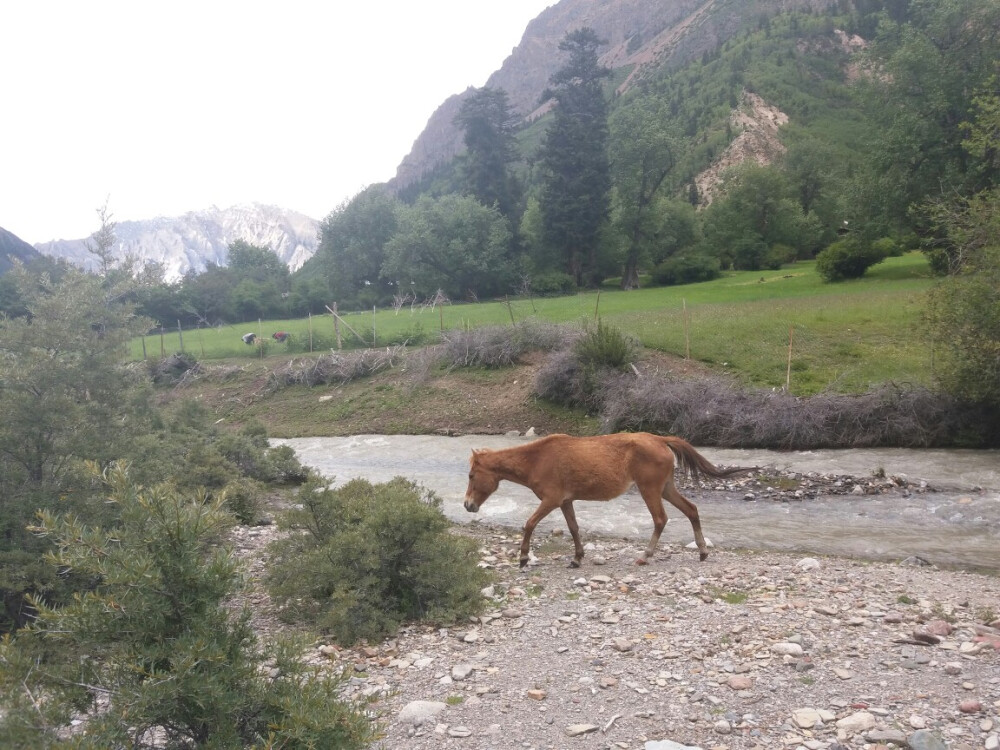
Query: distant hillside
{"x":643,"y":36}
{"x":198,"y":238}
{"x":13,"y":247}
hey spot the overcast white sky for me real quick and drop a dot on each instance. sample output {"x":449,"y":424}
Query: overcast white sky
{"x":164,"y":108}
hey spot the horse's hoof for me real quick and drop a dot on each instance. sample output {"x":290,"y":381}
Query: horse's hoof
{"x":703,"y":556}
{"x":574,"y":564}
{"x":642,"y":561}
{"x":523,"y":564}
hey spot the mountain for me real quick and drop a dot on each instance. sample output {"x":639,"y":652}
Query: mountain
{"x":13,"y":247}
{"x":198,"y":238}
{"x":642,"y":36}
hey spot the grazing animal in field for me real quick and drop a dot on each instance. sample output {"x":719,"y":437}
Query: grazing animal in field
{"x":280,"y":337}
{"x":249,"y":338}
{"x":560,"y":469}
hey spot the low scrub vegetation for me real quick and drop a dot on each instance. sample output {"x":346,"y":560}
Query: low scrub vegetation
{"x":364,"y":558}
{"x":152,"y":654}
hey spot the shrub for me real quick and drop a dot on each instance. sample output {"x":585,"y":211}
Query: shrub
{"x":687,"y":269}
{"x":152,"y":653}
{"x":847,"y":259}
{"x":552,"y":282}
{"x":501,"y":346}
{"x":365,"y":558}
{"x":244,"y":498}
{"x":603,"y":346}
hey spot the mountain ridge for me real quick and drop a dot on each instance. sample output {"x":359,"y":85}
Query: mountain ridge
{"x":192,"y":241}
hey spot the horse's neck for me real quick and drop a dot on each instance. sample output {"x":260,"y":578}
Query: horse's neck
{"x":512,"y":464}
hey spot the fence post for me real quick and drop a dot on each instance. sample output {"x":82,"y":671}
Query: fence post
{"x":180,"y":335}
{"x":373,"y":326}
{"x":687,"y":332}
{"x":310,"y":332}
{"x":788,"y":371}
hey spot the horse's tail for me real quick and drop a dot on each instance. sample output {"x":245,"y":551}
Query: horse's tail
{"x":695,"y":465}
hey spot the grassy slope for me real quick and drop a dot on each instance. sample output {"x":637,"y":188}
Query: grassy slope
{"x":843,"y":336}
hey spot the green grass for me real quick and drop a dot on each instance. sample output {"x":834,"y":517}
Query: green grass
{"x":844,"y":337}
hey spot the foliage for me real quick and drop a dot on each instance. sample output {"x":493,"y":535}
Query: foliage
{"x":152,"y":653}
{"x":963,"y":314}
{"x":576,"y":182}
{"x":718,"y":411}
{"x":500,"y":346}
{"x":848,"y":259}
{"x":364,"y":558}
{"x":453,"y":244}
{"x":686,"y":269}
{"x":64,"y":400}
{"x":645,"y":146}
{"x":352,"y":250}
{"x":603,"y":346}
{"x":490,"y":148}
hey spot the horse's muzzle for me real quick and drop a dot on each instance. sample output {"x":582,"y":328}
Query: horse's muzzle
{"x":470,"y":505}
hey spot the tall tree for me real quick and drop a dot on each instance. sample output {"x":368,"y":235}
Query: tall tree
{"x":453,"y":243}
{"x":576,"y":179}
{"x":927,"y":72}
{"x":644,"y":149}
{"x":352,"y":248}
{"x":490,"y":148}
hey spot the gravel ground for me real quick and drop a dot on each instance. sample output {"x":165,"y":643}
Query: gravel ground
{"x":745,"y":650}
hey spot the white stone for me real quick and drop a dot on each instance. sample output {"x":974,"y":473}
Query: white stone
{"x":417,"y":712}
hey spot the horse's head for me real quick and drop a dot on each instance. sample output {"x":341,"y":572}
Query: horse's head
{"x":483,"y":482}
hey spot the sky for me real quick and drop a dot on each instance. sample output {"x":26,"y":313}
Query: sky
{"x":157,"y":109}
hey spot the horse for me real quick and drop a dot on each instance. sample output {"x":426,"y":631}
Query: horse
{"x":560,"y":469}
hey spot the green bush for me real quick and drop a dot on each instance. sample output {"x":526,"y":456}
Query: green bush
{"x":686,"y":269}
{"x":152,"y":652}
{"x":364,"y":558}
{"x":603,"y":346}
{"x":552,"y":282}
{"x":847,"y":259}
{"x":244,"y":498}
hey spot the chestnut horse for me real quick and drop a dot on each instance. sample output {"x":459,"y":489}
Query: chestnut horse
{"x":560,"y":469}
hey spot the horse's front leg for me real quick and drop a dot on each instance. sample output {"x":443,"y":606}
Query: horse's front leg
{"x":574,"y":529}
{"x":529,"y":527}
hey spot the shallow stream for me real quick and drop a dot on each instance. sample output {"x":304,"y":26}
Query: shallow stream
{"x":955,"y":524}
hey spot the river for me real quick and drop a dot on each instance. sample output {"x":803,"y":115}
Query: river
{"x":955,"y":524}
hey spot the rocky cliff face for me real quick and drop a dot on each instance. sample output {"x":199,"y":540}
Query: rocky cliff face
{"x":642,"y":35}
{"x":13,"y":248}
{"x":192,"y":241}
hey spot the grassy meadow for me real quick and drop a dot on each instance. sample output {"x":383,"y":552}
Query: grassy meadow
{"x":763,"y":326}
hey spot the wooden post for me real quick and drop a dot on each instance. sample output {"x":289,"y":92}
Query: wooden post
{"x":201,"y":340}
{"x":336,"y":324}
{"x":687,"y":333}
{"x":788,"y":372}
{"x":597,"y":304}
{"x":373,"y":326}
{"x":180,"y":335}
{"x":144,"y":347}
{"x":163,"y":351}
{"x":310,"y":332}
{"x":441,"y":317}
{"x":510,"y":310}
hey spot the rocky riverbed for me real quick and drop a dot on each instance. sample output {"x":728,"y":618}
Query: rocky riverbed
{"x":747,"y":650}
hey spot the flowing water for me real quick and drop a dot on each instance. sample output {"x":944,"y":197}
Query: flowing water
{"x":955,"y":525}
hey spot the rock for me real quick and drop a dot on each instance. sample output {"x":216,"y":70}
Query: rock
{"x":970,"y":707}
{"x":808,"y":563}
{"x":538,"y":695}
{"x":860,"y":721}
{"x":740,"y":682}
{"x":577,"y":730}
{"x":722,"y":727}
{"x":939,"y":627}
{"x":459,"y":732}
{"x":787,"y":649}
{"x":895,"y":736}
{"x":806,"y":718}
{"x":925,"y":740}
{"x":668,"y":745}
{"x":461,"y":672}
{"x":418,"y":712}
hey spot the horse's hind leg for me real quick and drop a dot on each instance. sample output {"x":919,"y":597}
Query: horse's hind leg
{"x":673,"y":496}
{"x":659,"y":514}
{"x":574,"y":529}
